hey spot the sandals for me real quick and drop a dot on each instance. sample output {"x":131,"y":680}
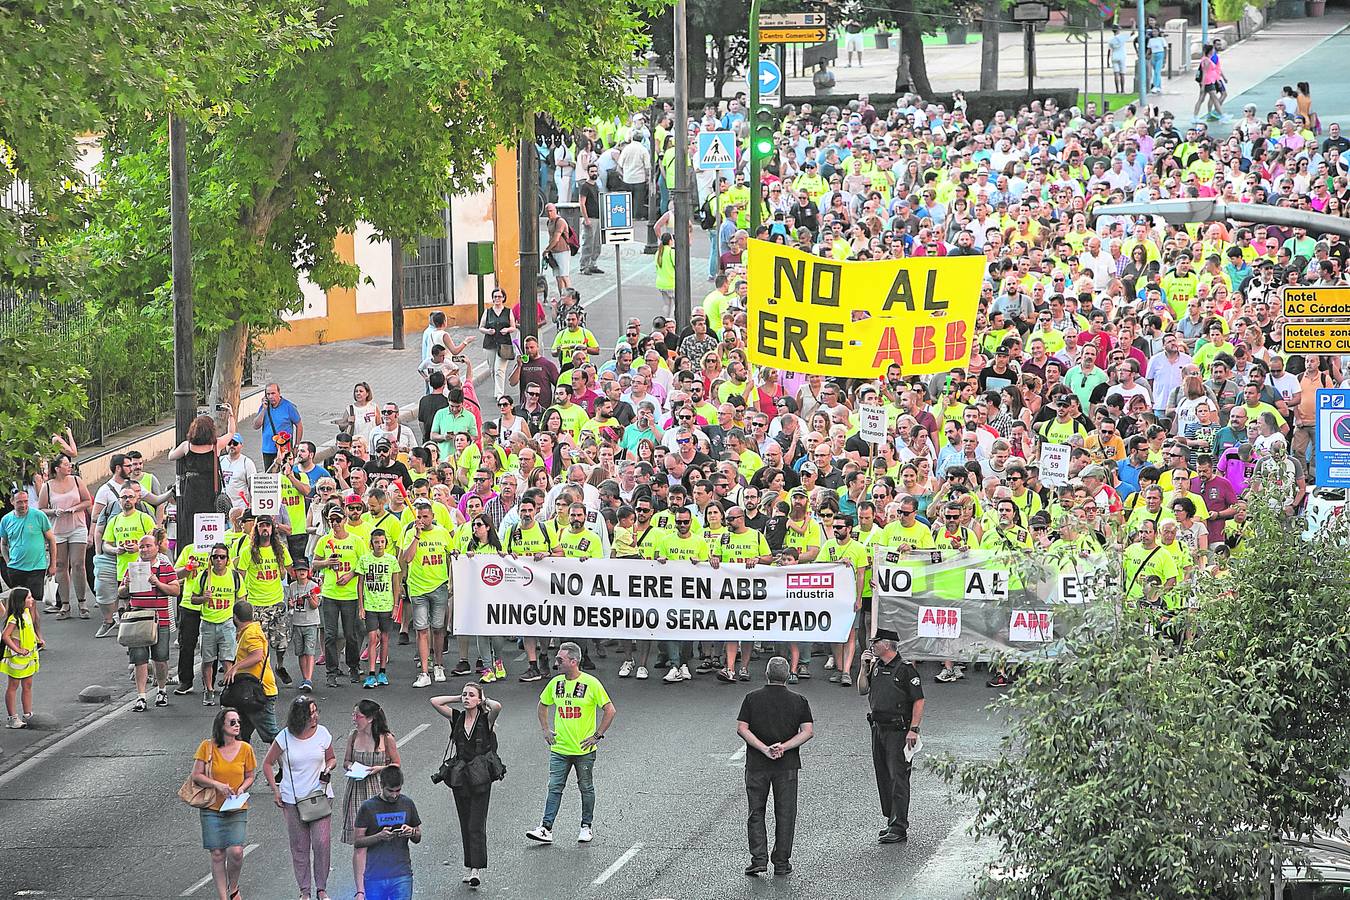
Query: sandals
{"x":64,"y":614}
{"x":84,"y":611}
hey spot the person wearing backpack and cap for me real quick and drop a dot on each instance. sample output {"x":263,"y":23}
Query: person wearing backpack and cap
{"x":894,"y":694}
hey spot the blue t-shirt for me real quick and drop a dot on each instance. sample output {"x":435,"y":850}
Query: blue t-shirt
{"x":283,"y":418}
{"x":26,"y":537}
{"x":387,"y":860}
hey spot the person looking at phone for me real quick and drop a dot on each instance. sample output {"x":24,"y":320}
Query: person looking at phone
{"x":384,"y":825}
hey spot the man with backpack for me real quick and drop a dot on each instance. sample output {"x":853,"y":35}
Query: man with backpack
{"x":216,"y":589}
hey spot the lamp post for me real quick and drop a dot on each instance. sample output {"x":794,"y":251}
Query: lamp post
{"x":653,"y":192}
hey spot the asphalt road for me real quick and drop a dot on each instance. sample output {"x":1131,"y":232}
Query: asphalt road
{"x":96,"y":815}
{"x":1331,"y":95}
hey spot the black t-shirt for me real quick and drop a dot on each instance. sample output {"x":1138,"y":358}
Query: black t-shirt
{"x":588,"y":193}
{"x":387,"y":860}
{"x":774,"y":715}
{"x":427,"y":408}
{"x":384,"y":476}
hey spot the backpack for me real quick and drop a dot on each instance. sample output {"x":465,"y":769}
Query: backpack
{"x":706,"y":220}
{"x":573,"y":242}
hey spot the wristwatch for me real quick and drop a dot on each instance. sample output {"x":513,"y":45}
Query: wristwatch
{"x":914,"y":728}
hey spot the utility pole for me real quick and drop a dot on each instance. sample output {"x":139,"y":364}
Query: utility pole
{"x":184,"y":370}
{"x":680,"y":198}
{"x":528,"y":207}
{"x":753,"y":69}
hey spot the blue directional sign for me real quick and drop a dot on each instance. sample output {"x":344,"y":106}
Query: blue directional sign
{"x":1333,"y":437}
{"x":716,"y":151}
{"x":770,"y":77}
{"x":618,"y":211}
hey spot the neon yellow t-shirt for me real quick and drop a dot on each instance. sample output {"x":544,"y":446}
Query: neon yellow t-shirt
{"x":428,"y":569}
{"x":576,"y":702}
{"x":262,"y":574}
{"x":348,"y":551}
{"x":377,"y":581}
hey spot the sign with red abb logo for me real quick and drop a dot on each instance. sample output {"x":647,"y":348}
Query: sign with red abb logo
{"x":1032,"y":625}
{"x":939,"y":622}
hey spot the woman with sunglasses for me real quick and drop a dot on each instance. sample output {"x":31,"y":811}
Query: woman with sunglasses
{"x":227,"y":766}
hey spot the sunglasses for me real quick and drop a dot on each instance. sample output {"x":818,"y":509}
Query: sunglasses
{"x":219,"y":556}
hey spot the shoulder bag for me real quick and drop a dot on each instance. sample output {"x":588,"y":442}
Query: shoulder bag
{"x":138,"y":628}
{"x":316,"y":804}
{"x":195,"y":795}
{"x":246,"y":692}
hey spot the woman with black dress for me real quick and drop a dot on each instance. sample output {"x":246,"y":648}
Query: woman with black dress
{"x":499,"y":327}
{"x":472,"y":733}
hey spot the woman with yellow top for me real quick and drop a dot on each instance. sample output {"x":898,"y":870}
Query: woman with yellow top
{"x":226,"y":765}
{"x":714,"y":524}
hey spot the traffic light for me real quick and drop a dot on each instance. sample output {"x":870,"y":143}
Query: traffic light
{"x":762,"y":129}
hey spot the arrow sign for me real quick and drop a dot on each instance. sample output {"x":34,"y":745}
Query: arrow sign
{"x":791,"y":20}
{"x":770,"y":77}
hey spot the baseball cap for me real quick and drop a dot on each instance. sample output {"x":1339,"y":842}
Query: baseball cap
{"x":382,"y":442}
{"x":300,"y":565}
{"x":237,"y":438}
{"x":352,"y":499}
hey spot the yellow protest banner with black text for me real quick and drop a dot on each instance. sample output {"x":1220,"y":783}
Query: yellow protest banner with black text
{"x":853,"y":319}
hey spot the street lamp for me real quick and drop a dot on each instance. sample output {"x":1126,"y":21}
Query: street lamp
{"x":653,"y":192}
{"x":1181,"y":212}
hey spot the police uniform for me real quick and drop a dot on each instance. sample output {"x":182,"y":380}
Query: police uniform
{"x":892,"y":690}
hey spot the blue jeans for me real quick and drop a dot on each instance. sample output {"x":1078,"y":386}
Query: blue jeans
{"x":1156,"y":65}
{"x":390,"y":889}
{"x":714,"y":251}
{"x":558,"y":766}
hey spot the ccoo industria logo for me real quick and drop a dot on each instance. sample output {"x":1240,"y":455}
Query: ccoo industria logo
{"x":810,"y":585}
{"x":494,"y":574}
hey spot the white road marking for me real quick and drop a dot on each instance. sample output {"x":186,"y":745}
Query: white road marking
{"x":617,"y":865}
{"x":950,"y":872}
{"x":738,"y":755}
{"x":51,"y":751}
{"x":412,"y":734}
{"x":205,"y":881}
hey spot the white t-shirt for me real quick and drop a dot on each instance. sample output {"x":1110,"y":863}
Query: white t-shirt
{"x":364,"y":418}
{"x":236,"y":473}
{"x":301,"y":763}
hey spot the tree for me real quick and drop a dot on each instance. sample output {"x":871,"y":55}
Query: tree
{"x":914,"y":19}
{"x":40,"y":395}
{"x":405,"y":102}
{"x":1124,"y":775}
{"x":71,"y":69}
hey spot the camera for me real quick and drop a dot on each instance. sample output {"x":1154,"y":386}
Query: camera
{"x":442,"y":775}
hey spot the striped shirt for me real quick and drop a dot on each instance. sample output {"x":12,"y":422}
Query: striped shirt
{"x":154,"y":598}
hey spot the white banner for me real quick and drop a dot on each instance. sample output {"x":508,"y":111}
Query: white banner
{"x":648,"y":600}
{"x":266,"y":490}
{"x":872,"y":423}
{"x":1054,"y":464}
{"x":207,"y":529}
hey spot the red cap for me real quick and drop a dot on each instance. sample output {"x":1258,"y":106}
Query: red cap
{"x":352,"y":498}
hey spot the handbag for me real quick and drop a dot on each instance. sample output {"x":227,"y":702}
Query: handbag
{"x":195,"y":795}
{"x":138,"y":628}
{"x":316,"y":804}
{"x":506,"y":350}
{"x":246,"y":692}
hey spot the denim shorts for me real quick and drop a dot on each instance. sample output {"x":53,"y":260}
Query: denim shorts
{"x":431,"y":610}
{"x":158,"y":651}
{"x":390,"y":888}
{"x":221,"y":830}
{"x":218,"y":641}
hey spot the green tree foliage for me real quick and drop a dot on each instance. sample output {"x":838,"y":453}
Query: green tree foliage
{"x":403,"y":103}
{"x":1139,"y":766}
{"x":40,"y":395}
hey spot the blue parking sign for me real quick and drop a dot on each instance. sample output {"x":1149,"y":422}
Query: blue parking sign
{"x":1332,"y":437}
{"x":618,"y":210}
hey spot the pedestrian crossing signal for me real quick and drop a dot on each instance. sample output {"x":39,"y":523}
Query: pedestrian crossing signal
{"x":762,"y":132}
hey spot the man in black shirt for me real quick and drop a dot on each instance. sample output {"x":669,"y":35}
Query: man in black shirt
{"x":773,"y":722}
{"x":385,"y":824}
{"x":431,"y":403}
{"x":895,"y":694}
{"x":384,"y":469}
{"x":588,"y":198}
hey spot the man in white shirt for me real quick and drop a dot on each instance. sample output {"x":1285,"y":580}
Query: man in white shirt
{"x":236,"y":469}
{"x":1102,"y":266}
{"x":635,"y":168}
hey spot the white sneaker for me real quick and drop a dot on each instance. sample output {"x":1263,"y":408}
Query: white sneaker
{"x":422,"y":680}
{"x":673,"y":676}
{"x":829,"y":664}
{"x":438,"y":673}
{"x":584,"y":837}
{"x":642,"y":673}
{"x":540,"y":834}
{"x":684,"y":673}
{"x":626,"y":669}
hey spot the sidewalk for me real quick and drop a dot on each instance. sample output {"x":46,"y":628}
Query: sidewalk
{"x":318,"y":379}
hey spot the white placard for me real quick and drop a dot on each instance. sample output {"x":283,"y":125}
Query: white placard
{"x":208,"y":529}
{"x":1034,"y":625}
{"x":939,"y":622}
{"x":266,"y":490}
{"x":872,"y":423}
{"x":138,"y":577}
{"x":1071,"y":589}
{"x":1054,"y":464}
{"x":986,"y":585}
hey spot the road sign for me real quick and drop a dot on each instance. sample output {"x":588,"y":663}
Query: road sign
{"x":791,"y":20}
{"x":716,"y":151}
{"x":792,"y":35}
{"x":618,"y":210}
{"x":1029,"y":12}
{"x":770,"y":82}
{"x":1317,"y":337}
{"x":1316,"y":302}
{"x":618,"y":235}
{"x":265,"y":488}
{"x":1333,"y":437}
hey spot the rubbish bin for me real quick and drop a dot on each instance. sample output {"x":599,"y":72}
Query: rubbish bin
{"x":882,"y":39}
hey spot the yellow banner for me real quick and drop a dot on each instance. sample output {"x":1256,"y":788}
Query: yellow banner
{"x":853,"y":319}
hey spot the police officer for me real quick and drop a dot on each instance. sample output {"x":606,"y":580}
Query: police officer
{"x":895,"y":694}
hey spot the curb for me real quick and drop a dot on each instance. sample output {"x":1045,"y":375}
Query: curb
{"x":9,"y":763}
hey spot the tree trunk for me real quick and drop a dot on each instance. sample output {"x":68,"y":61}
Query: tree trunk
{"x":989,"y":46}
{"x":719,"y":68}
{"x":902,"y":82}
{"x":698,"y":64}
{"x":912,"y":38}
{"x":229,"y":371}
